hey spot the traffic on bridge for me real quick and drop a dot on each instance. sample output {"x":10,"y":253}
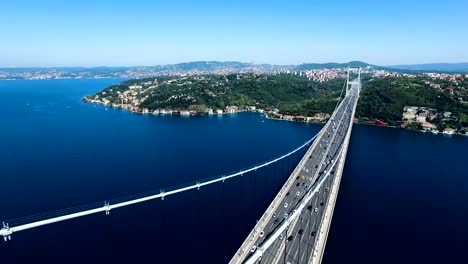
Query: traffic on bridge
{"x":294,"y":227}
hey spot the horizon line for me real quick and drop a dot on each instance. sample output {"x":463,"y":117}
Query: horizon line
{"x":228,"y":61}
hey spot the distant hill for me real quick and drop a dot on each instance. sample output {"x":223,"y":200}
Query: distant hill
{"x":223,"y":67}
{"x":205,"y":66}
{"x":440,"y":67}
{"x":330,"y":65}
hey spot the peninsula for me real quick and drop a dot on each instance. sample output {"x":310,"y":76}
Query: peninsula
{"x":434,"y":102}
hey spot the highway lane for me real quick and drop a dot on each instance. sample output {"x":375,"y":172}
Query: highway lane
{"x":319,"y":157}
{"x":296,"y":248}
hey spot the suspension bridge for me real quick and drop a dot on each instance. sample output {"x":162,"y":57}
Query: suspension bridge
{"x":294,"y":227}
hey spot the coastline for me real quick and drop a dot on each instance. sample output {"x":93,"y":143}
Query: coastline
{"x":414,"y":130}
{"x":188,"y":113}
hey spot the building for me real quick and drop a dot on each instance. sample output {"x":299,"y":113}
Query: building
{"x":427,"y":126}
{"x":449,"y":131}
{"x":232,"y":109}
{"x":410,"y":113}
{"x":421,"y":118}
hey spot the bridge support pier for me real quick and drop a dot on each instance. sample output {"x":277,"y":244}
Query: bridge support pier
{"x":7,"y":231}
{"x":107,"y":207}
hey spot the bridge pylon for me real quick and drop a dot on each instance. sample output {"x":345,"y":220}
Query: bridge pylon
{"x":7,"y":231}
{"x":357,"y":80}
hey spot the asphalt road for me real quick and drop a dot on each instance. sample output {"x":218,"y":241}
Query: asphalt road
{"x":296,"y":245}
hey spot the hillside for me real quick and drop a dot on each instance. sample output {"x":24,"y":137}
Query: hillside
{"x":294,"y":95}
{"x":290,"y":94}
{"x":385,"y":99}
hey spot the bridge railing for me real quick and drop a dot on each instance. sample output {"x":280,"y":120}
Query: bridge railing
{"x":253,"y":257}
{"x":246,"y":246}
{"x":260,"y":250}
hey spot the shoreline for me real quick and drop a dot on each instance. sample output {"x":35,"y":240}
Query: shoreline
{"x":191,"y":113}
{"x":188,"y":113}
{"x":414,"y":130}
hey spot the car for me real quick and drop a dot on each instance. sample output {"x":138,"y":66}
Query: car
{"x":286,"y":215}
{"x":285,"y":205}
{"x":309,"y":207}
{"x":300,"y":232}
{"x":261,"y":233}
{"x":316,"y":209}
{"x":290,"y":237}
{"x":281,"y":236}
{"x":274,"y":215}
{"x":321,"y":203}
{"x":298,"y":193}
{"x":254,"y":247}
{"x":327,"y":189}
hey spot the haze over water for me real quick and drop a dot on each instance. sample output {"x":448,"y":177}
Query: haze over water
{"x":402,"y":198}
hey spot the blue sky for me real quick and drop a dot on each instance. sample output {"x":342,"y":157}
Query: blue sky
{"x":144,"y":32}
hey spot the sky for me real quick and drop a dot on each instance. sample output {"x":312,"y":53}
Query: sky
{"x":150,"y":32}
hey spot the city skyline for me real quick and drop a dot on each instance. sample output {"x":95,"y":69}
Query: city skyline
{"x":87,"y":34}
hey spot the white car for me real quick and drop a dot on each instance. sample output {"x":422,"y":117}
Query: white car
{"x":254,"y":247}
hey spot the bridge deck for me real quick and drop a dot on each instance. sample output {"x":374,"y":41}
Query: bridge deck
{"x":297,"y":243}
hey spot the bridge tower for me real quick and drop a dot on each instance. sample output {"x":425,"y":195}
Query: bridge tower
{"x":347,"y":82}
{"x":355,"y":81}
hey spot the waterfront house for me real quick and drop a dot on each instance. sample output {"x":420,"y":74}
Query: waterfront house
{"x":184,"y":113}
{"x":449,"y":131}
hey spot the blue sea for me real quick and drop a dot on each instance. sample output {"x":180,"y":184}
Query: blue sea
{"x":403,"y":197}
